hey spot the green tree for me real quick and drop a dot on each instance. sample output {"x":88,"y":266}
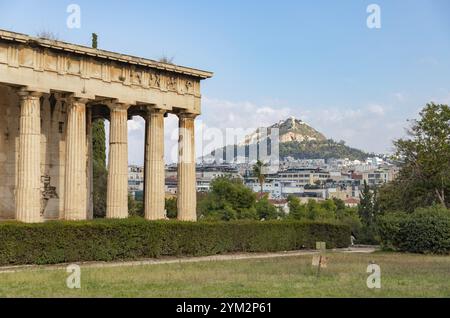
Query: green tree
{"x":297,"y":210}
{"x":366,"y":207}
{"x":94,"y":40}
{"x":228,"y":199}
{"x":266,"y":210}
{"x":325,"y":210}
{"x":424,"y":178}
{"x":426,"y":155}
{"x":171,"y":208}
{"x":99,"y":160}
{"x":340,"y":207}
{"x":368,"y":213}
{"x":258,"y":172}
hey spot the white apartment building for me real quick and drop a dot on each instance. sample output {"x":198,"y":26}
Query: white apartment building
{"x":135,"y":181}
{"x":303,"y":176}
{"x":379,"y":176}
{"x":271,"y":187}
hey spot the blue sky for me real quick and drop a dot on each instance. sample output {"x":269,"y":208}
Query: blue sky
{"x":315,"y":60}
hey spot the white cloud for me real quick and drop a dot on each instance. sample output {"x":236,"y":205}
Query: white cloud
{"x":400,"y":97}
{"x":227,"y":114}
{"x":371,"y":127}
{"x":136,"y":124}
{"x":376,"y":109}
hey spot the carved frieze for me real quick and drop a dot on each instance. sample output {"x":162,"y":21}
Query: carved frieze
{"x":50,"y":61}
{"x":155,"y":80}
{"x":93,"y":68}
{"x":171,"y":83}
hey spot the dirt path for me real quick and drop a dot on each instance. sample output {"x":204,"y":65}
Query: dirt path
{"x":177,"y":260}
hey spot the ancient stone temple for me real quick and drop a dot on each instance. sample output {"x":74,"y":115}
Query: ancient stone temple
{"x":50,"y":94}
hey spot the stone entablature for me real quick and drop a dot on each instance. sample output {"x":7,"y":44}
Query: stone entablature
{"x":40,"y":64}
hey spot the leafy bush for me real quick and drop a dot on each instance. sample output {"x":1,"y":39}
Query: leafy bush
{"x":266,"y":210}
{"x":330,"y":210}
{"x":135,"y":207}
{"x":427,"y":230}
{"x":229,"y":199}
{"x":134,"y":238}
{"x":171,"y":208}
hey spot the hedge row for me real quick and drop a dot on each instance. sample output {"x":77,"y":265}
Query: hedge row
{"x":135,"y":238}
{"x":425,"y":231}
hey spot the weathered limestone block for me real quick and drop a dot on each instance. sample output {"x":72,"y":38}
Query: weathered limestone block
{"x":9,"y":147}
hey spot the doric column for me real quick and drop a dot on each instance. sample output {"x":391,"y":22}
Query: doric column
{"x":117,"y":196}
{"x":28,"y":193}
{"x":154,"y":166}
{"x":75,"y":189}
{"x":145,"y":158}
{"x":90,"y":165}
{"x":187,"y":200}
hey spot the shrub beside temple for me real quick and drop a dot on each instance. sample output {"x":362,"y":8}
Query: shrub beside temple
{"x":113,"y":240}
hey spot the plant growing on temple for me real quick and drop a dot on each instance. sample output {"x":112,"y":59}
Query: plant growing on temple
{"x":99,"y":160}
{"x":166,"y":59}
{"x":94,"y":40}
{"x":47,"y":35}
{"x":258,"y":172}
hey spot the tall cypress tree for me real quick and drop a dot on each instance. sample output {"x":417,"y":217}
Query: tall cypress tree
{"x":366,"y":205}
{"x":99,"y":160}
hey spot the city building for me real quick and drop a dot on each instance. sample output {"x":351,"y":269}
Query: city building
{"x":379,"y":176}
{"x":136,"y":182}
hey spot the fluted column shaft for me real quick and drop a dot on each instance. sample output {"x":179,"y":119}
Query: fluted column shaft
{"x":75,"y":190}
{"x":117,"y":195}
{"x":187,"y":200}
{"x":154,"y":166}
{"x":90,"y":165}
{"x":28,"y":193}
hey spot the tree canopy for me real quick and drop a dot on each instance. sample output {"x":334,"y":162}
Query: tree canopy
{"x":424,"y":178}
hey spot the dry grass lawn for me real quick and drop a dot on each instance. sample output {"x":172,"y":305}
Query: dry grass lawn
{"x":402,"y":275}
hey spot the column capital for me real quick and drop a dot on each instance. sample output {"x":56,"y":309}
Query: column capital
{"x":78,"y":100}
{"x":185,"y":116}
{"x":117,"y":106}
{"x":25,"y":94}
{"x":152,"y":110}
{"x":70,"y":98}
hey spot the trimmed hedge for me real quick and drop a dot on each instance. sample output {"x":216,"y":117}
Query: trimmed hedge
{"x":107,"y":240}
{"x":426,"y":230}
